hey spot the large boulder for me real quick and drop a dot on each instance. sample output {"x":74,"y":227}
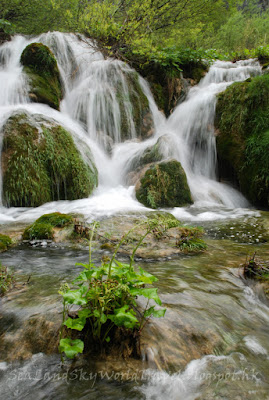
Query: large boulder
{"x":163,"y":185}
{"x":242,"y":122}
{"x":40,"y":66}
{"x":41,"y":163}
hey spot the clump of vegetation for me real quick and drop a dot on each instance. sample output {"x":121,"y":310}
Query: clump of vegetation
{"x":6,"y":279}
{"x":189,"y":239}
{"x":242,"y":119}
{"x":164,"y":185}
{"x":42,"y":228}
{"x":256,"y":269}
{"x":106,"y":296}
{"x":41,"y":163}
{"x":5,"y":242}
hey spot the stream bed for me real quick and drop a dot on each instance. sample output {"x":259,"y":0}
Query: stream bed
{"x":212,"y":344}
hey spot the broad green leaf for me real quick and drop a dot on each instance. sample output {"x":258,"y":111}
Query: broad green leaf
{"x":71,"y":347}
{"x":96,"y":313}
{"x":75,"y":323}
{"x":148,"y":293}
{"x":103,"y":318}
{"x":146,"y":274}
{"x":85,"y":313}
{"x":125,"y":318}
{"x":155,"y":313}
{"x":75,"y":297}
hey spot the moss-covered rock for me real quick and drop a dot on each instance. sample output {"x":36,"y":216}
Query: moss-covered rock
{"x":242,"y":121}
{"x":41,"y":68}
{"x":164,"y":185}
{"x":43,"y":227}
{"x":41,"y":163}
{"x":5,"y":242}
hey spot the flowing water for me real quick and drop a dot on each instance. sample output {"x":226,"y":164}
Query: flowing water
{"x":91,"y":111}
{"x":213,"y":342}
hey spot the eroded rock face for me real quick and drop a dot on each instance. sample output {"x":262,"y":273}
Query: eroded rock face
{"x":40,"y":163}
{"x":242,"y":122}
{"x":164,"y":185}
{"x":43,"y":74}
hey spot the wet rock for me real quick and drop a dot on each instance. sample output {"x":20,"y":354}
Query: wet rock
{"x":164,"y":185}
{"x":40,"y":162}
{"x":242,"y":122}
{"x":41,"y":68}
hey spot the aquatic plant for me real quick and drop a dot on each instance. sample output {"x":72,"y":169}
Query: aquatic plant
{"x":6,"y":279}
{"x":107,"y":300}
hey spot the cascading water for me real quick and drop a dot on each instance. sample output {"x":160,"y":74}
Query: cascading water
{"x":92,"y":112}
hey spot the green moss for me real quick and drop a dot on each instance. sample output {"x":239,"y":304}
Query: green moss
{"x":42,"y":228}
{"x":38,"y":231}
{"x":41,"y":163}
{"x":55,"y":219}
{"x":242,"y":118}
{"x":41,"y":68}
{"x":5,"y":242}
{"x":164,"y":185}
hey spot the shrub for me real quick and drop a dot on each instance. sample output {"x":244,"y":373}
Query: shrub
{"x":106,"y":296}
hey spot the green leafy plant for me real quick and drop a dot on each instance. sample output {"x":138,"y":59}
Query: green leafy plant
{"x":107,"y":299}
{"x":5,"y":242}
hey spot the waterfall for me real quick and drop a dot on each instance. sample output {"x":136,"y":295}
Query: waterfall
{"x":97,"y":98}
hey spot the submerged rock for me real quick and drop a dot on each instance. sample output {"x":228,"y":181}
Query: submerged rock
{"x":40,"y":163}
{"x":164,"y":185}
{"x":41,"y":68}
{"x":242,"y":122}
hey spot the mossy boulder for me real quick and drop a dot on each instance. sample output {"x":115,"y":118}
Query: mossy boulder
{"x":5,"y":242}
{"x":242,"y":122}
{"x":164,"y":185}
{"x":40,"y":163}
{"x":43,"y":227}
{"x":40,"y":66}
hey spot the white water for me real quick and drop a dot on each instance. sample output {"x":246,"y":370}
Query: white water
{"x":91,"y":112}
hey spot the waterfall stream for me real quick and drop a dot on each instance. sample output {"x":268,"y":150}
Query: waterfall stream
{"x":90,"y":110}
{"x":213,"y":341}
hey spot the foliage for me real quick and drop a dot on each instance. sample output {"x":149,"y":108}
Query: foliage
{"x":256,"y":268}
{"x":42,"y":228}
{"x":5,"y":242}
{"x":6,"y":279}
{"x":190,"y":239}
{"x":106,"y":296}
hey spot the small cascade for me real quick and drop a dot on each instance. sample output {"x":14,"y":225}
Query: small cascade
{"x":193,"y":124}
{"x":109,"y":108}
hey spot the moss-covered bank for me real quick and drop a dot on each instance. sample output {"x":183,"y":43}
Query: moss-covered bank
{"x":164,"y":185}
{"x":41,"y":163}
{"x":43,"y":74}
{"x":5,"y":242}
{"x":242,"y":121}
{"x":43,"y":227}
